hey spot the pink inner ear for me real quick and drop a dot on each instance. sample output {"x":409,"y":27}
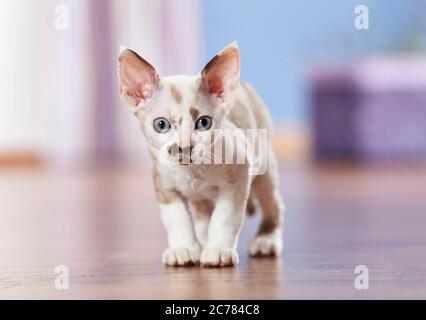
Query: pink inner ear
{"x":214,"y":86}
{"x":222,"y":74}
{"x":138,"y":79}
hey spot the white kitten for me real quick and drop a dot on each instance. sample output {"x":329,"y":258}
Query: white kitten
{"x":178,"y":116}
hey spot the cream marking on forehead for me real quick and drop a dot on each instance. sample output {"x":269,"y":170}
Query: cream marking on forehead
{"x":182,"y":88}
{"x":176,"y":94}
{"x":194,"y":113}
{"x":180,"y":93}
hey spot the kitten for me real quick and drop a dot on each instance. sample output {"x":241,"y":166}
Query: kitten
{"x":178,"y":115}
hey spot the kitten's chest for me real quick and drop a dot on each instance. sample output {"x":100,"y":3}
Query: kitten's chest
{"x":194,"y":183}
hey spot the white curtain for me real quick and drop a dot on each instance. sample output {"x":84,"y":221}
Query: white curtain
{"x":20,"y":122}
{"x":58,"y":88}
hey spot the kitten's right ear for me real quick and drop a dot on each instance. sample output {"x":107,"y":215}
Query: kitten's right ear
{"x":137,"y":78}
{"x":221,"y":76}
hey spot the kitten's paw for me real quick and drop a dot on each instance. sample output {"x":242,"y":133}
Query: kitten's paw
{"x":266,"y":245}
{"x":181,"y":256}
{"x":219,"y":257}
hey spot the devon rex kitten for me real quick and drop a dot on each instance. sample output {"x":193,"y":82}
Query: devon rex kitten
{"x":177,"y":114}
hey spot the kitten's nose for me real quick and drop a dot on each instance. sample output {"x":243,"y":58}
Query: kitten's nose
{"x":176,"y":149}
{"x":186,"y":151}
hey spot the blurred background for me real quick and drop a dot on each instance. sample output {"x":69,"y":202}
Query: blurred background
{"x":59,"y":87}
{"x":74,"y":176}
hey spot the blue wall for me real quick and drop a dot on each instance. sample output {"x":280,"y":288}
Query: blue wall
{"x":279,"y":38}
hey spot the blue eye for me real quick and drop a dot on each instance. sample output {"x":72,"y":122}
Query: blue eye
{"x":203,"y":123}
{"x":161,"y":125}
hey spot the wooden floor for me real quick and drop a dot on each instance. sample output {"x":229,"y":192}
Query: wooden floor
{"x":104,"y":226}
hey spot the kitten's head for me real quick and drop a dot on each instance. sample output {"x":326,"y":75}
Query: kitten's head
{"x":178,"y":114}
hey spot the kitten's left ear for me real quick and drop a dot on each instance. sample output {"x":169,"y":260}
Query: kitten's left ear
{"x":221,"y":76}
{"x":137,"y":78}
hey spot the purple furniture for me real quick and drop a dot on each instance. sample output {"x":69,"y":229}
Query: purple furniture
{"x":370,"y":110}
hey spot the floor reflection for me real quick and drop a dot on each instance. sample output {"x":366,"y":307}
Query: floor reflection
{"x":104,"y":225}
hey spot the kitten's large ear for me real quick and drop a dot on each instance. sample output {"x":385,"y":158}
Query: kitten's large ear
{"x":137,"y":78}
{"x":221,"y":76}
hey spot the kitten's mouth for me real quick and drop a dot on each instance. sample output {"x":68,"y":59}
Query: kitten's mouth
{"x":182,"y":160}
{"x":179,"y":155}
{"x":185,"y":160}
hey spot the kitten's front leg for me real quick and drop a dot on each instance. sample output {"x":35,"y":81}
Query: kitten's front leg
{"x":226,"y":222}
{"x":184,"y":248}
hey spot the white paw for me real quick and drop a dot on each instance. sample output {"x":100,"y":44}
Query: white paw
{"x":181,"y":256}
{"x":219,"y":257}
{"x":266,"y":245}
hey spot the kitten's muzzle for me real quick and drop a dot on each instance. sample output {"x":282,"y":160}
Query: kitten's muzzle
{"x":183,"y":155}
